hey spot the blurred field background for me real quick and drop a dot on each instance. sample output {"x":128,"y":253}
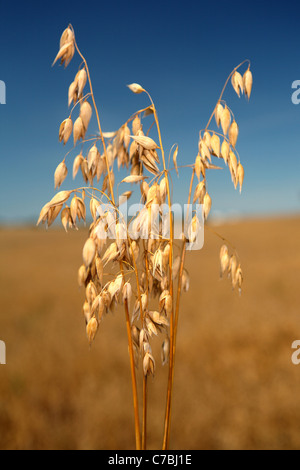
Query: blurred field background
{"x":235,"y":384}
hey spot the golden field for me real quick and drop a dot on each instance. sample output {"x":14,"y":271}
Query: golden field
{"x":235,"y":384}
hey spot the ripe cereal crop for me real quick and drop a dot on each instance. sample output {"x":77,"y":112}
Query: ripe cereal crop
{"x":140,"y":263}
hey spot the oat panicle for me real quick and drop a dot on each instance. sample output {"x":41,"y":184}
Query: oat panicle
{"x":137,"y":264}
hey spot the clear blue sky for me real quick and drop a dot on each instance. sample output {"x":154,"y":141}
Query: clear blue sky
{"x":182,"y":52}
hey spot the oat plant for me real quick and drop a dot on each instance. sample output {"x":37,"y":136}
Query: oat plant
{"x":137,"y":262}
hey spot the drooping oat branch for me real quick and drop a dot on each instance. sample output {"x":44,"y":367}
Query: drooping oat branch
{"x":225,"y":85}
{"x":239,"y":85}
{"x":130,"y":342}
{"x":97,"y":115}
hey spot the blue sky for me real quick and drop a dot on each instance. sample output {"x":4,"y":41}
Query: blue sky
{"x":182,"y":52}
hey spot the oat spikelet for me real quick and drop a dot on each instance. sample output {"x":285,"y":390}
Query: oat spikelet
{"x":204,"y":150}
{"x":175,"y":154}
{"x":136,"y":88}
{"x":127,"y":292}
{"x":88,"y":252}
{"x":218,"y":114}
{"x":91,"y":329}
{"x":81,"y":81}
{"x":239,"y":278}
{"x":93,"y":157}
{"x":206,"y":205}
{"x":74,"y":209}
{"x":224,"y":260}
{"x":233,"y":164}
{"x":194,"y":229}
{"x":82,"y":275}
{"x":198,"y":167}
{"x":207,"y":139}
{"x":65,"y":53}
{"x":240,"y":175}
{"x":248,"y":82}
{"x":165,"y":351}
{"x":136,"y":125}
{"x":126,"y":136}
{"x":66,"y":37}
{"x":199,"y":192}
{"x":148,"y":364}
{"x":225,"y":149}
{"x":225,"y":120}
{"x":145,"y":142}
{"x":65,"y":130}
{"x":185,"y":280}
{"x":60,"y":174}
{"x":215,"y":145}
{"x":163,"y":190}
{"x":233,"y":133}
{"x":53,"y":213}
{"x":232,"y":269}
{"x":60,"y":198}
{"x":133,"y":179}
{"x":77,"y":164}
{"x":72,"y":93}
{"x":66,"y":218}
{"x":86,"y":113}
{"x":237,"y":83}
{"x":78,"y":130}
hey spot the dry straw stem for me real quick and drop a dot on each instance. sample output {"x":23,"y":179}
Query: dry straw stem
{"x":141,"y":270}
